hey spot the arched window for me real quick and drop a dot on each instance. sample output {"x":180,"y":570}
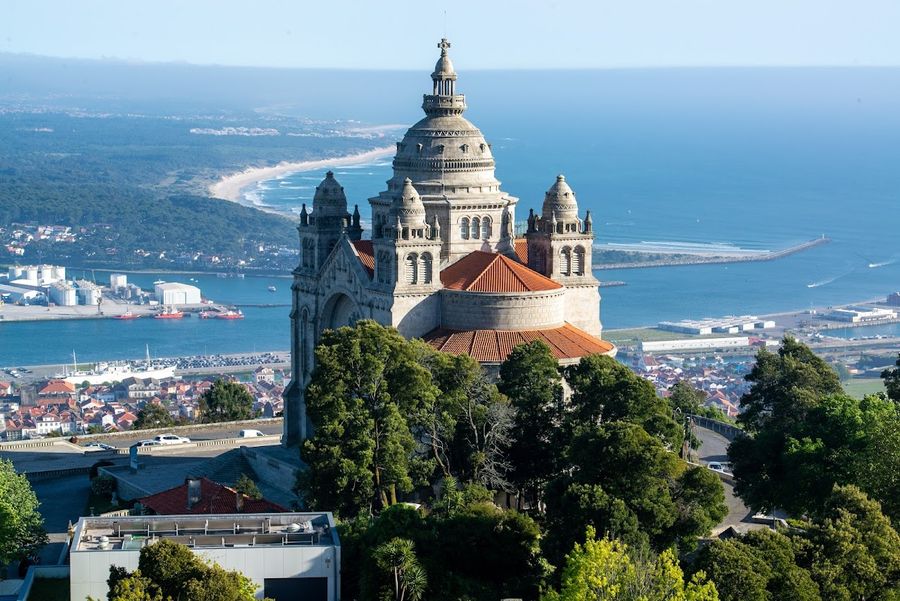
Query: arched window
{"x":308,"y":260}
{"x":476,"y":227}
{"x":464,"y":228}
{"x":579,"y":260}
{"x":425,"y":268}
{"x":412,"y":268}
{"x":486,"y":228}
{"x":383,"y":267}
{"x":565,"y":264}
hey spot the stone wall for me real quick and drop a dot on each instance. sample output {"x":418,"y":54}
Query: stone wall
{"x":583,"y":308}
{"x":503,"y":311}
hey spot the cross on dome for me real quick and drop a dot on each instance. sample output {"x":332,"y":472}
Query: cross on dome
{"x":443,"y":45}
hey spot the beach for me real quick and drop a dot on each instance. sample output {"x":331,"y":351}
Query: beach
{"x":231,"y":187}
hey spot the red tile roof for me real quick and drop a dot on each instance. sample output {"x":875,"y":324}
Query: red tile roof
{"x":481,"y":271}
{"x":366,"y":254}
{"x":57,"y":387}
{"x":521,"y":247}
{"x":493,"y":346}
{"x":214,"y":498}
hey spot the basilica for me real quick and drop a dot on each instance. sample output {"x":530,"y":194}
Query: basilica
{"x":443,"y":262}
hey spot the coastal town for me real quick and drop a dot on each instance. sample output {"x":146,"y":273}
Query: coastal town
{"x":61,"y":407}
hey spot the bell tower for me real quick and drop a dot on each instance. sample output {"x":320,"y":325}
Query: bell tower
{"x":560,"y":247}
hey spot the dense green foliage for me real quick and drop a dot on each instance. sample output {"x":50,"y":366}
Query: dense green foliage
{"x":153,"y":415}
{"x":848,"y":551}
{"x":607,"y":570}
{"x":531,"y":377}
{"x":892,"y":381}
{"x":475,"y":551}
{"x":373,"y":397}
{"x":226,"y":402}
{"x":396,"y":420}
{"x":806,"y":436}
{"x":170,"y":571}
{"x":21,"y":526}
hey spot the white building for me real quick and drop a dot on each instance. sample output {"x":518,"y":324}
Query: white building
{"x":696,"y":344}
{"x":287,"y":555}
{"x":443,"y":262}
{"x":63,"y":294}
{"x":117,"y":281}
{"x":173,"y":293}
{"x":861,"y":314}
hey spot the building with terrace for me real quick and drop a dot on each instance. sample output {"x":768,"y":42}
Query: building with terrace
{"x":287,"y":555}
{"x":443,"y":262}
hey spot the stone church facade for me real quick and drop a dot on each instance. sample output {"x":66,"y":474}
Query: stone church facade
{"x":442,"y":262}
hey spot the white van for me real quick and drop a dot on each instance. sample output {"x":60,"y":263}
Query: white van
{"x":250,"y":434}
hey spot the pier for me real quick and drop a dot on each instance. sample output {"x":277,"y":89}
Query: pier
{"x":704,"y":260}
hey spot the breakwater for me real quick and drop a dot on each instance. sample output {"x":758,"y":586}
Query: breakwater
{"x":682,"y":259}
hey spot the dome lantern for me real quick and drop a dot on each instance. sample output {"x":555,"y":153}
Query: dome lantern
{"x":560,"y":203}
{"x":329,"y":199}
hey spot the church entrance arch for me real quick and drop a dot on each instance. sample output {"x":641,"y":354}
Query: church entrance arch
{"x":340,"y":310}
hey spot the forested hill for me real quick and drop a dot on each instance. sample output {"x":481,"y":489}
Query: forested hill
{"x":132,"y":187}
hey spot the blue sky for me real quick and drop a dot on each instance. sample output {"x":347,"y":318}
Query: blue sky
{"x":486,"y":34}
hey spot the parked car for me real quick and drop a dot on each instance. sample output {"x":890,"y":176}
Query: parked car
{"x":99,"y":445}
{"x":250,"y":434}
{"x":170,"y":439}
{"x":145,"y":443}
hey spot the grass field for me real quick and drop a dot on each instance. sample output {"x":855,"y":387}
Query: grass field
{"x":860,"y":387}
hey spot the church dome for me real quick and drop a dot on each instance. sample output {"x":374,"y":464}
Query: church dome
{"x":410,"y":210}
{"x":329,"y":199}
{"x":559,"y":202}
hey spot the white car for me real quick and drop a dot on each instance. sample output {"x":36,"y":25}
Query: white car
{"x":170,"y":439}
{"x":250,"y":434}
{"x":145,"y":443}
{"x":99,"y":445}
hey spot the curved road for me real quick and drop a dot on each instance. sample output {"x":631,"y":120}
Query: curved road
{"x":715,"y":448}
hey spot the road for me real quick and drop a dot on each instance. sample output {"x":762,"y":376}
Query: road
{"x":715,"y":448}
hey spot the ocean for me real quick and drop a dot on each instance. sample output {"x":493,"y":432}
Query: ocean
{"x":752,"y":158}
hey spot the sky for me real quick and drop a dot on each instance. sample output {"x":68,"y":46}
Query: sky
{"x":486,"y":34}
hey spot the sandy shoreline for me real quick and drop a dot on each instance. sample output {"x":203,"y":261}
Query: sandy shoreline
{"x":231,"y":187}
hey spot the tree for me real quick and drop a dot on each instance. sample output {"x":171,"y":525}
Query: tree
{"x":21,"y":526}
{"x":247,"y":487}
{"x":786,"y":385}
{"x":892,"y":381}
{"x":685,"y":398}
{"x":761,"y":565}
{"x":604,"y":570}
{"x":397,"y":557}
{"x":530,"y":378}
{"x":168,"y":570}
{"x":361,"y":456}
{"x":226,"y":402}
{"x":806,"y":435}
{"x":853,"y":552}
{"x":131,"y":587}
{"x":620,"y":476}
{"x":841,"y":440}
{"x":153,"y":415}
{"x":604,"y":390}
{"x":466,"y":426}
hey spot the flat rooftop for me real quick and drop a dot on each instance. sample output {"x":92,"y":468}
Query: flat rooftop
{"x":132,"y":533}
